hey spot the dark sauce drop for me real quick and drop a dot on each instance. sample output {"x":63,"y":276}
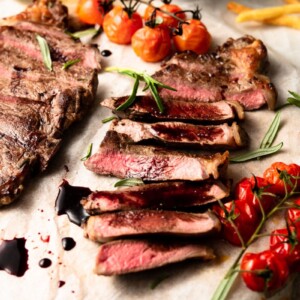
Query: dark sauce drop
{"x":68,"y":202}
{"x":68,"y":243}
{"x":45,"y":263}
{"x":61,"y":283}
{"x":106,"y":53}
{"x":14,"y":256}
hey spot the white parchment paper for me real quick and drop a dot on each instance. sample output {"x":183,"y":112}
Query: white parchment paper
{"x":34,"y":218}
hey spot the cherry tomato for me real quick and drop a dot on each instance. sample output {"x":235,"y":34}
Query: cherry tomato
{"x":293,"y":215}
{"x":194,"y":37}
{"x":90,"y":12}
{"x":244,"y":191}
{"x":152,"y":44}
{"x":119,"y":27}
{"x":287,"y":245}
{"x":265,"y":271}
{"x":167,"y":20}
{"x":273,"y":176}
{"x":244,"y":217}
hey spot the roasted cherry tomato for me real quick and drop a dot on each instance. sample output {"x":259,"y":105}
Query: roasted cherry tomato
{"x":244,"y":217}
{"x":152,"y":44}
{"x":194,"y":36}
{"x":278,"y":171}
{"x":287,"y":244}
{"x":293,"y":215}
{"x":265,"y":271}
{"x":90,"y":12}
{"x":119,"y":26}
{"x":167,"y":19}
{"x":244,"y":191}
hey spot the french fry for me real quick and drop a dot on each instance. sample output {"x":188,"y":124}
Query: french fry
{"x":291,"y":1}
{"x":263,"y":14}
{"x":288,"y":21}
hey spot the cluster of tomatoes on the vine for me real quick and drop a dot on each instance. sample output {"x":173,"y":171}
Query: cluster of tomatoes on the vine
{"x":257,"y":198}
{"x":153,"y":36}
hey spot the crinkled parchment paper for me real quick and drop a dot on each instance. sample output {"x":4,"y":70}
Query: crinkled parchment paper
{"x":34,"y":218}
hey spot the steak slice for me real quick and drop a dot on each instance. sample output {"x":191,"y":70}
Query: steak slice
{"x":126,"y":256}
{"x":145,"y":109}
{"x":180,"y":134}
{"x":38,"y":105}
{"x":234,"y":72}
{"x":117,"y":158}
{"x":165,"y":195}
{"x":111,"y":226}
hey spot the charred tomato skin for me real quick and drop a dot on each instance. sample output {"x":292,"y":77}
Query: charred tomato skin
{"x":289,"y":249}
{"x":272,"y":175}
{"x":195,"y":37}
{"x":245,"y":219}
{"x":168,"y":21}
{"x":275,"y":268}
{"x":90,"y":12}
{"x":152,"y":44}
{"x":244,"y":191}
{"x":119,"y":27}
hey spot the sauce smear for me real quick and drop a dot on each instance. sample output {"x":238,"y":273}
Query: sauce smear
{"x":68,"y":202}
{"x":14,"y":256}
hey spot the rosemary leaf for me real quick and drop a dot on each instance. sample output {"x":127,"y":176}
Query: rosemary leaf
{"x":132,"y":97}
{"x":45,"y":52}
{"x":70,"y":63}
{"x":224,"y":287}
{"x":89,"y":152}
{"x":108,"y":119}
{"x":156,"y":97}
{"x":271,"y":133}
{"x":295,"y":95}
{"x":83,"y":33}
{"x":256,"y":154}
{"x":129,"y":182}
{"x":294,"y":101}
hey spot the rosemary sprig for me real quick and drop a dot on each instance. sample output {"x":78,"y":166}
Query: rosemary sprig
{"x":45,"y":52}
{"x":84,"y":33}
{"x":129,"y":182}
{"x":70,"y":63}
{"x":150,"y":83}
{"x":271,"y":133}
{"x":89,"y":152}
{"x":106,"y":120}
{"x":265,"y":145}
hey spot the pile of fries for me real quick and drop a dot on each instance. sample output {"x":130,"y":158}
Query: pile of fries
{"x":284,"y":15}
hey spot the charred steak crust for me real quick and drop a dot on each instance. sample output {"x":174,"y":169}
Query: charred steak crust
{"x":236,"y":71}
{"x":36,"y":105}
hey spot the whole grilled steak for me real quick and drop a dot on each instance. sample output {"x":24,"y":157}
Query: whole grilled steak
{"x":234,"y":72}
{"x":164,"y":195}
{"x":37,"y":104}
{"x":117,"y":158}
{"x":126,"y":256}
{"x":145,"y":109}
{"x":180,"y":134}
{"x":136,"y":223}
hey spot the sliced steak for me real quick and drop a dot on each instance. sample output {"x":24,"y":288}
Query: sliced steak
{"x":126,"y":256}
{"x":117,"y":158}
{"x":111,"y":226}
{"x":145,"y":109}
{"x":180,"y":134}
{"x":38,"y":105}
{"x":165,"y":195}
{"x":234,"y":72}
